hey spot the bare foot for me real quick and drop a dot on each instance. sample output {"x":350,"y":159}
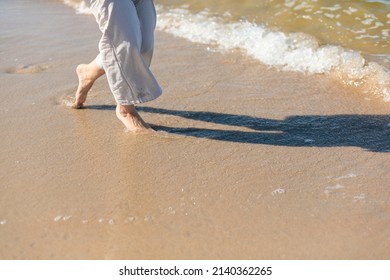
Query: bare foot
{"x":132,"y":120}
{"x":87,"y":74}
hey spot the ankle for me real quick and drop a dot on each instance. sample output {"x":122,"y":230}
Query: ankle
{"x":127,"y":110}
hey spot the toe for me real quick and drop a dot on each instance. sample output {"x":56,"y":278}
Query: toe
{"x":77,"y":106}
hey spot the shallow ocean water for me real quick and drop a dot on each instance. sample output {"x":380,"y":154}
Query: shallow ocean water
{"x":361,"y":25}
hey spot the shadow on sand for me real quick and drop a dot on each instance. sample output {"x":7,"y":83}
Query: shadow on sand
{"x":369,"y":132}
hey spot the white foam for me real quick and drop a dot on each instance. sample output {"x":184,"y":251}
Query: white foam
{"x":80,"y":6}
{"x":66,"y":218}
{"x":336,"y":187}
{"x":3,"y":222}
{"x":288,"y":52}
{"x":68,"y":101}
{"x":348,"y":176}
{"x":330,"y":189}
{"x":56,"y":219}
{"x":63,"y":218}
{"x":278,"y":191}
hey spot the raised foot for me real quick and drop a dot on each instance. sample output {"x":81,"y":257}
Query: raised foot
{"x":87,"y":75}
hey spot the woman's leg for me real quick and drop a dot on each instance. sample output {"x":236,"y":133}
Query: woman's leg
{"x":87,"y":74}
{"x":128,"y":74}
{"x":147,"y":18}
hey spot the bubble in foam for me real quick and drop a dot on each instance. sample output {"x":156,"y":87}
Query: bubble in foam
{"x":66,"y":218}
{"x":62,"y":218}
{"x":58,"y":218}
{"x":348,"y":176}
{"x":3,"y":222}
{"x":278,"y":191}
{"x":336,"y":187}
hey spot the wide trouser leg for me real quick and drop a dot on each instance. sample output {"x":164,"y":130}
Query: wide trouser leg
{"x":147,"y":17}
{"x":126,"y":48}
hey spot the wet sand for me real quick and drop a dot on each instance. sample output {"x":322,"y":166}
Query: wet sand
{"x":249,"y":162}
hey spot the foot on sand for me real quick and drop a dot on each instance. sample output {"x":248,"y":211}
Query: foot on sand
{"x":87,"y":74}
{"x":129,"y":116}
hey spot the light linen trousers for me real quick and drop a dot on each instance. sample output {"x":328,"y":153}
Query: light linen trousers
{"x":126,"y":48}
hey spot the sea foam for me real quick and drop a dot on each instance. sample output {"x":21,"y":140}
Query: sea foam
{"x":285,"y":51}
{"x":79,"y":6}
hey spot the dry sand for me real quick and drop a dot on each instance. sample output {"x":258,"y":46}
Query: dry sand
{"x":249,"y":163}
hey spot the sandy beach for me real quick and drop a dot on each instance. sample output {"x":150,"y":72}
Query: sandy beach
{"x":248,"y":163}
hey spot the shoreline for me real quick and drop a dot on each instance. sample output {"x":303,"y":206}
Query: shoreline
{"x":250,"y":163}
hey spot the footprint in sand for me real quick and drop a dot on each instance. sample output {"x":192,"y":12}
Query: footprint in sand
{"x":27,"y":69}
